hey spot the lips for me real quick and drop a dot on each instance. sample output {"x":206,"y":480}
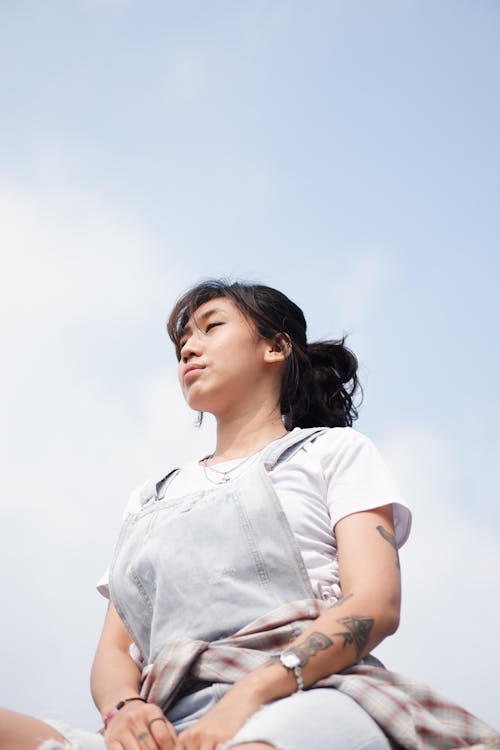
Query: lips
{"x":192,"y":368}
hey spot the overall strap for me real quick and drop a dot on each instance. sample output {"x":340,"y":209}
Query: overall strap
{"x":290,"y":444}
{"x":153,"y":490}
{"x":161,"y":486}
{"x":285,"y":448}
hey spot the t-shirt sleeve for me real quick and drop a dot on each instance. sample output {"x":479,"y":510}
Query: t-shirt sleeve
{"x":358,"y":479}
{"x":133,"y":505}
{"x":103,"y":584}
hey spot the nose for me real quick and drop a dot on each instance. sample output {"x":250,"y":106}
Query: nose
{"x":191,"y":347}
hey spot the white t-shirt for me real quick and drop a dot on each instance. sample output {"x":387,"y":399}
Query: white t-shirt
{"x":338,"y":473}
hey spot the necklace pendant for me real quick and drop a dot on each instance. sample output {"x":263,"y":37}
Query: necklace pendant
{"x":225,"y":478}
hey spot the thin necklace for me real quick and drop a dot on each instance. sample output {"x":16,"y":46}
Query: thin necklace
{"x":224,"y":474}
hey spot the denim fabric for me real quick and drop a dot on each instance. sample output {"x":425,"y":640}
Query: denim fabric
{"x":204,"y":565}
{"x":318,"y":719}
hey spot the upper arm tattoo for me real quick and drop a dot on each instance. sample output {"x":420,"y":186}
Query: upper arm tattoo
{"x":358,"y":632}
{"x":391,"y":539}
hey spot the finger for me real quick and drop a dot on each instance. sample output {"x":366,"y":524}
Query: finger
{"x":145,"y":741}
{"x":194,"y":741}
{"x":163,"y":732}
{"x":158,"y":735}
{"x":115,"y":744}
{"x":127,"y":741}
{"x":122,"y":744}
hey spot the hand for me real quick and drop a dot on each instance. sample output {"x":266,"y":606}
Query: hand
{"x":222,"y":721}
{"x":140,"y":726}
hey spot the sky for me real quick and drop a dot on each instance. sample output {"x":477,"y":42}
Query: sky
{"x":346,"y":153}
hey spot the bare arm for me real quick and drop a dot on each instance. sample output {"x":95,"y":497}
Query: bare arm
{"x":366,"y":614}
{"x":115,"y":677}
{"x":341,"y":636}
{"x":114,"y":673}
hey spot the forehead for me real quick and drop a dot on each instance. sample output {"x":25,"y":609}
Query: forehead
{"x":217,"y":305}
{"x":221,"y":304}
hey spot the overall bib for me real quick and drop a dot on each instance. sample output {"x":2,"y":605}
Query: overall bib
{"x":203,"y":565}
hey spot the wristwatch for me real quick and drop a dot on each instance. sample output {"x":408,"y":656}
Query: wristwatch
{"x":291,"y":661}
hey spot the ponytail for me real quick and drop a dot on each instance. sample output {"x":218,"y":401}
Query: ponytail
{"x":320,"y":385}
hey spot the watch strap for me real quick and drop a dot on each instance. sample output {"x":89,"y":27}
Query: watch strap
{"x":295,"y":668}
{"x":300,"y":680}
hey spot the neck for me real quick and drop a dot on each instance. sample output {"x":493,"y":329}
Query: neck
{"x":246,"y":434}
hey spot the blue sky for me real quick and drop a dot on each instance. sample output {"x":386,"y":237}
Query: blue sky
{"x":344,"y":152}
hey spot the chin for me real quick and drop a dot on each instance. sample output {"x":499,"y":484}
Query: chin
{"x":198,"y":403}
{"x":199,"y":397}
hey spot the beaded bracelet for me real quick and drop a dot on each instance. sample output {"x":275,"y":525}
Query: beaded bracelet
{"x":118,"y":707}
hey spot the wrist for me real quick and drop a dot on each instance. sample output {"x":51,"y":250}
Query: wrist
{"x":111,"y":698}
{"x":269,"y":682}
{"x":109,"y":711}
{"x":292,"y":662}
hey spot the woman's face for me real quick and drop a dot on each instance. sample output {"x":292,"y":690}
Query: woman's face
{"x":224,"y":363}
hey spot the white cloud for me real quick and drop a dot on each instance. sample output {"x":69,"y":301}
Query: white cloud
{"x":451,"y":576}
{"x":78,"y":280}
{"x":61,"y":525}
{"x":65,"y":255}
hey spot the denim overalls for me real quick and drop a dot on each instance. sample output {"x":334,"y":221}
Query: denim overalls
{"x":204,"y":565}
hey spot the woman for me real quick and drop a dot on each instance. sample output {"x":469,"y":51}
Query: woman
{"x":262,"y":570}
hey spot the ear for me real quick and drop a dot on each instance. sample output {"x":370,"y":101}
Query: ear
{"x":278,"y":349}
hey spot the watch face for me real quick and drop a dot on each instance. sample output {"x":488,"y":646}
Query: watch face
{"x":290,"y":660}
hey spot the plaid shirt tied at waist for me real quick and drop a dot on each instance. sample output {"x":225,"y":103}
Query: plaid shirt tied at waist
{"x":410,"y":713}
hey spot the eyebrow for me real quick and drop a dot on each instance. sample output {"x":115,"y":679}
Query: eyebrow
{"x":187,"y":328}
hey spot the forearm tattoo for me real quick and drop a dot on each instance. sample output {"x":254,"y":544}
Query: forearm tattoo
{"x":315,"y":642}
{"x":358,"y":632}
{"x":391,"y":539}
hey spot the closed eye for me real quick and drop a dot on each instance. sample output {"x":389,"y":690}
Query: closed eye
{"x":183,"y":340}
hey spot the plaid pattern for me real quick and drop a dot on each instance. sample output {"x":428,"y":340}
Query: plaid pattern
{"x":410,"y":713}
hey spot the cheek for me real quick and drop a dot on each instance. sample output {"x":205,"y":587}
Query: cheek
{"x":180,"y":381}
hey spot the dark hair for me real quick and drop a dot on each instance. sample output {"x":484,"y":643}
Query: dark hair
{"x":319,"y":380}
